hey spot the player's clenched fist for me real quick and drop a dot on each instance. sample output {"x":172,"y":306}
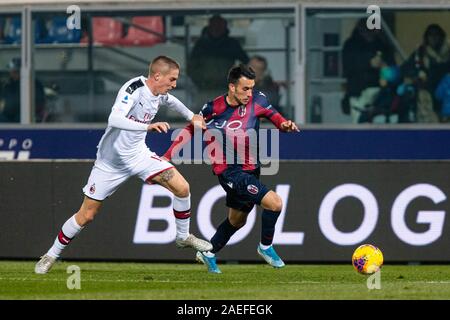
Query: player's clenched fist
{"x":159,"y":127}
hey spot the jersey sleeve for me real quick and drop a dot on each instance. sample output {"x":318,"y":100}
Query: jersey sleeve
{"x":207,"y":111}
{"x":264,"y":109}
{"x":119,"y":112}
{"x":173,"y":103}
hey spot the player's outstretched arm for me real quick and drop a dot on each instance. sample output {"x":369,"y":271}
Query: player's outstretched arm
{"x":263,"y":108}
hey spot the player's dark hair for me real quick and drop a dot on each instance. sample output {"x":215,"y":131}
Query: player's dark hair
{"x":240,"y":71}
{"x":163,"y":60}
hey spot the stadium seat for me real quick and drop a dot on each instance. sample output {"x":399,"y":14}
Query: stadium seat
{"x":56,"y":31}
{"x":105,"y":30}
{"x":13,"y":30}
{"x":138,"y":37}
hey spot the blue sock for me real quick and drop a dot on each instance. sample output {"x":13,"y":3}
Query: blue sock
{"x":269,"y":219}
{"x":222,"y":235}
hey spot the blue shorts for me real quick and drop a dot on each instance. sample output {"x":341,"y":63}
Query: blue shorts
{"x":243,"y":189}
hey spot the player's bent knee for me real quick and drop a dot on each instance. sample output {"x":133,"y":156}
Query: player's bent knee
{"x":238,"y":223}
{"x":183,"y":190}
{"x":86,"y":216}
{"x":275,"y":203}
{"x":278,"y":204}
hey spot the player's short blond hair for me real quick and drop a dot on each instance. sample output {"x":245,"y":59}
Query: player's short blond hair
{"x":162,"y":64}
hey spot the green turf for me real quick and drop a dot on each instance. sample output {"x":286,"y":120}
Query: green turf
{"x":238,"y":281}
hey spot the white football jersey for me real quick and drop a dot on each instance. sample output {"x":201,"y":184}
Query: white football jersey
{"x":123,"y":143}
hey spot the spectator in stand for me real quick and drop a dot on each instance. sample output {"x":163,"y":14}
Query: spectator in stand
{"x":364,"y":54}
{"x":264,"y":81}
{"x":443,"y":95}
{"x":213,"y":55}
{"x":10,"y":96}
{"x":425,"y":67}
{"x":406,"y":97}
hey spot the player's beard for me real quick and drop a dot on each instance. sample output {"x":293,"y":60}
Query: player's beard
{"x":239,"y":101}
{"x":242,"y":102}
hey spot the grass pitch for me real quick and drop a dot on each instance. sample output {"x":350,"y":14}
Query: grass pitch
{"x":158,"y":281}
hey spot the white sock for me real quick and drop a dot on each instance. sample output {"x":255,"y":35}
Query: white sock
{"x":209,"y":254}
{"x":68,"y":231}
{"x":182,"y":212}
{"x":264,"y":247}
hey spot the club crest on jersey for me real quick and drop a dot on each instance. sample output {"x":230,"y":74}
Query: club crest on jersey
{"x":242,"y":110}
{"x":92,"y":189}
{"x":252,"y":189}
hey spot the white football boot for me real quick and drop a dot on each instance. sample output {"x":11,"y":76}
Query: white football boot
{"x":45,"y":264}
{"x":193,"y":242}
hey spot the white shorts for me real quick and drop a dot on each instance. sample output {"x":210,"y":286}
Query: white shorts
{"x":101,"y":184}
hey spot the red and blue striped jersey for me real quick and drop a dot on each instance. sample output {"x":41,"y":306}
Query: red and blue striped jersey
{"x":232,"y":135}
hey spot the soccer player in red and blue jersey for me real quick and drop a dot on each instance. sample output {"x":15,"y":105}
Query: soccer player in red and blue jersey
{"x":236,"y":117}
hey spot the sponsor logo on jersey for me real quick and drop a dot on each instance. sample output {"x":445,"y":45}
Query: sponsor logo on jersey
{"x":232,"y":125}
{"x":147,"y":119}
{"x":252,"y":189}
{"x":125,"y":100}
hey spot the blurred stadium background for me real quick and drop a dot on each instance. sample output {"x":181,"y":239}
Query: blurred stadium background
{"x":344,"y":182}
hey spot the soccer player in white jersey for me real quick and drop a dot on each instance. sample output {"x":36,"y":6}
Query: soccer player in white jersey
{"x":122,"y":153}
